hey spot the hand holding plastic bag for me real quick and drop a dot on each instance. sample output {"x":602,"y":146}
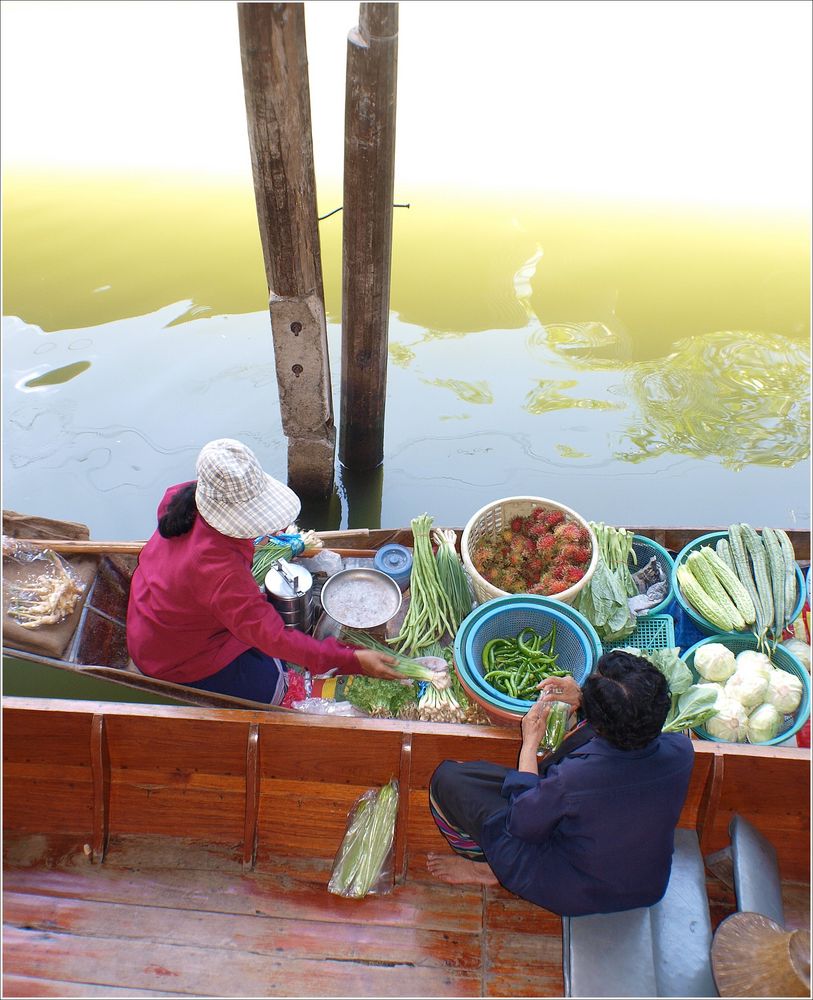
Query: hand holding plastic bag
{"x":363,"y":862}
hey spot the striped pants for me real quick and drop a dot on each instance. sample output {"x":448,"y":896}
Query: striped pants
{"x":462,"y":796}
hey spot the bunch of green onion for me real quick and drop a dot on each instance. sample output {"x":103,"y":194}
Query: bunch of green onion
{"x":404,"y":664}
{"x":366,"y":844}
{"x":453,"y":578}
{"x":440,"y":706}
{"x":266,"y":555}
{"x":430,"y":615}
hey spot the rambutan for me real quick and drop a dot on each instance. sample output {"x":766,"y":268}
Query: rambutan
{"x":507,"y":535}
{"x":553,"y":517}
{"x":557,"y":586}
{"x":578,"y":554}
{"x":545,"y":545}
{"x":537,"y":514}
{"x":573,"y":574}
{"x":568,"y":532}
{"x":559,"y":570}
{"x":517,"y":525}
{"x":535,"y":566}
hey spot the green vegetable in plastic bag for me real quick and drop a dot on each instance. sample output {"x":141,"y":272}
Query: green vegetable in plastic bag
{"x":556,"y":726}
{"x":361,"y":865}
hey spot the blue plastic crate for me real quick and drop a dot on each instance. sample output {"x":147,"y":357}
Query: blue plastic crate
{"x":653,"y":632}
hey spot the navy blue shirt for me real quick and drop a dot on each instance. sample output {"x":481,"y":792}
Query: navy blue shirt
{"x":595,"y":833}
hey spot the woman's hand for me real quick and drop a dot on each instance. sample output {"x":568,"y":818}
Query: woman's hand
{"x":560,"y":689}
{"x":533,"y":725}
{"x":533,"y":729}
{"x":375,"y":664}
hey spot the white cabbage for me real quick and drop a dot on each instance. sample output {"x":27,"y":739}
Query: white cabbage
{"x":784,"y":691}
{"x":748,"y":687}
{"x":751,"y":660}
{"x":801,"y":650}
{"x":719,"y":689}
{"x":715,"y":662}
{"x":729,"y":722}
{"x":763,"y":724}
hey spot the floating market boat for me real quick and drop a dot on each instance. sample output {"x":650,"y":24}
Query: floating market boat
{"x":185,"y":849}
{"x":95,"y":655}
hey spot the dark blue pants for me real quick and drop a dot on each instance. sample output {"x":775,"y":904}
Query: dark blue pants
{"x":252,"y":675}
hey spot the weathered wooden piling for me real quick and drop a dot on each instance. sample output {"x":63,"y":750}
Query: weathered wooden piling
{"x":369,"y":178}
{"x":275,"y":80}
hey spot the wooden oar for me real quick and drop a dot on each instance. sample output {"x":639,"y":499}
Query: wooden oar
{"x":77,"y":547}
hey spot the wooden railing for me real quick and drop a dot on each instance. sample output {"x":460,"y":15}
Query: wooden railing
{"x":284,"y":784}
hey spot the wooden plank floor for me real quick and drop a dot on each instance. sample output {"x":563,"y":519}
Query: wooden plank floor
{"x":168,"y":919}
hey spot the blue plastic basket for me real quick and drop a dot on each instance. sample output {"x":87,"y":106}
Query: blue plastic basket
{"x":780,"y":657}
{"x":573,"y":643}
{"x":538,"y":601}
{"x":644,"y":549}
{"x":702,"y":623}
{"x":655,"y":632}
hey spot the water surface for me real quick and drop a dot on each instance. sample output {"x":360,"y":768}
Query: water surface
{"x":640,"y":363}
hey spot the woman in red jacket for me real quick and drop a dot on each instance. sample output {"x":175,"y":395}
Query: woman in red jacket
{"x":196,"y":616}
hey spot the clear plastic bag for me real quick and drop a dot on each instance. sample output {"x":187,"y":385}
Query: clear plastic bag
{"x":45,"y":589}
{"x":364,"y":861}
{"x":556,"y":726}
{"x":324,"y":706}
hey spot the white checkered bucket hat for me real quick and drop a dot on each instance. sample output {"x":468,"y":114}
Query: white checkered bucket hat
{"x":236,"y":497}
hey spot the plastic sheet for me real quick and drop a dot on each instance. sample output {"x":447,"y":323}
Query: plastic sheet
{"x":364,"y":861}
{"x":324,"y":706}
{"x":46,"y":589}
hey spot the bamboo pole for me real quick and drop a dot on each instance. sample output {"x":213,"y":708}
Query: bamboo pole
{"x":72,"y":546}
{"x":369,"y":178}
{"x":275,"y":81}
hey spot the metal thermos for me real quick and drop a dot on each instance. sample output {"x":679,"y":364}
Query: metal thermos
{"x":290,"y":589}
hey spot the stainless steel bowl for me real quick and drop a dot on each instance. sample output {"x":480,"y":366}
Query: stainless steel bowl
{"x":361,"y":598}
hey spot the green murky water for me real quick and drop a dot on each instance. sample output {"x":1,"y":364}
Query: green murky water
{"x":642,"y":364}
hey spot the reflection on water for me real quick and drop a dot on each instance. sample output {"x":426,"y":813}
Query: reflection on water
{"x":566,"y":351}
{"x":546,"y":396}
{"x":57,"y":376}
{"x":468,"y":392}
{"x":739,"y":397}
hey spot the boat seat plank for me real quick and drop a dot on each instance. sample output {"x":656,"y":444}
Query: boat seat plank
{"x":657,"y":951}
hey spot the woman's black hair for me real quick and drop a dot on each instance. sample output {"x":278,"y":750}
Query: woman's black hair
{"x":626,"y":700}
{"x":180,"y":513}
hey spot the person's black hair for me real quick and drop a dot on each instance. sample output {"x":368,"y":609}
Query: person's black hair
{"x":180,"y":513}
{"x":626,"y":700}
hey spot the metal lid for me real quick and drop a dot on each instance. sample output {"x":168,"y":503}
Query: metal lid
{"x":277,"y":584}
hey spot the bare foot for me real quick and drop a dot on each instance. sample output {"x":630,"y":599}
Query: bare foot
{"x":460,"y":871}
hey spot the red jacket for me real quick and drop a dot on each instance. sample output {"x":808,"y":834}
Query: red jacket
{"x":194,"y":607}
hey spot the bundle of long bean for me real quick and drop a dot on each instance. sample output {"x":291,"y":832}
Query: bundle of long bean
{"x":516,"y":666}
{"x":282,"y":547}
{"x":405,"y":665}
{"x":452,"y":577}
{"x":429,"y":616}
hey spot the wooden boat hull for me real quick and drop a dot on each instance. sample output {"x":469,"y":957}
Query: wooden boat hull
{"x":272,"y":785}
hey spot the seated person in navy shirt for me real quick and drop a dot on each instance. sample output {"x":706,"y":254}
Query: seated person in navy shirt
{"x":588,"y":828}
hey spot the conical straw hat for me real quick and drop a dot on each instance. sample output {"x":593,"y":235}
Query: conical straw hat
{"x":753,"y":956}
